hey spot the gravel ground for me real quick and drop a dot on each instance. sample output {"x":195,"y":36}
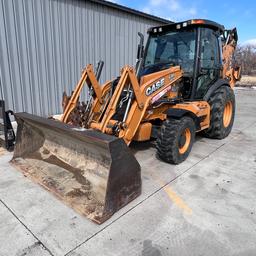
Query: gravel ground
{"x":247,"y":81}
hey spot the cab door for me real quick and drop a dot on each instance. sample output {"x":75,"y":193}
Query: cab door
{"x":209,"y":62}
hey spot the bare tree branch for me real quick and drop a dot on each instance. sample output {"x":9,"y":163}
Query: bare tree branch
{"x":246,"y":58}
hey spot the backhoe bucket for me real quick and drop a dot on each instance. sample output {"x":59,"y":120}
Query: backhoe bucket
{"x":94,"y":173}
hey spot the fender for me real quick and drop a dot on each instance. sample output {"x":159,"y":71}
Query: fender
{"x":177,"y":113}
{"x":214,"y":87}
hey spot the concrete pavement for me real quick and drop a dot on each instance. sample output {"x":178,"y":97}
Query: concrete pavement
{"x":204,"y":206}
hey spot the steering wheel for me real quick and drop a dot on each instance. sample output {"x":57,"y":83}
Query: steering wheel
{"x":175,"y":60}
{"x":169,"y":64}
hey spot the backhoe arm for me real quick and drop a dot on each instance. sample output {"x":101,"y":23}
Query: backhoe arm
{"x":230,"y":68}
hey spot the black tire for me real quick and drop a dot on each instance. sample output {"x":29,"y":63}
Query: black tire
{"x":171,"y":136}
{"x":222,"y":97}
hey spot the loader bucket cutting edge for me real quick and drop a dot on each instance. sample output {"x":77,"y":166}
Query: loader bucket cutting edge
{"x":94,"y":173}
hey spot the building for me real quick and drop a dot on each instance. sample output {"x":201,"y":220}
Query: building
{"x":44,"y":45}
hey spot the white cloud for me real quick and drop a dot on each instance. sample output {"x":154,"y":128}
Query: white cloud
{"x":157,"y":2}
{"x":146,"y":10}
{"x":169,"y":4}
{"x":175,"y":10}
{"x":250,"y":42}
{"x":192,"y":11}
{"x":113,"y":1}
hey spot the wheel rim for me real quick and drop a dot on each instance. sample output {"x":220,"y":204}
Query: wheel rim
{"x":184,"y":141}
{"x":227,"y":115}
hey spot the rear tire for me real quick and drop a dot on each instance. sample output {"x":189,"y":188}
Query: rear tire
{"x":222,"y":114}
{"x":176,"y":139}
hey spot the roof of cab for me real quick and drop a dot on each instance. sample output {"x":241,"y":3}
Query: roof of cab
{"x":188,"y":23}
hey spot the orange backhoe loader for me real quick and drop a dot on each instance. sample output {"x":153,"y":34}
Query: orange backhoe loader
{"x":182,"y":84}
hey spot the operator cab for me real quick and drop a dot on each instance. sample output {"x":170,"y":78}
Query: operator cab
{"x":194,"y":45}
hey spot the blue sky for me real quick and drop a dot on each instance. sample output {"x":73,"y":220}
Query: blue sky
{"x":229,"y":13}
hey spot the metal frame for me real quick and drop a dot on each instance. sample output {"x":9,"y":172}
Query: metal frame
{"x":6,"y":127}
{"x":196,"y":63}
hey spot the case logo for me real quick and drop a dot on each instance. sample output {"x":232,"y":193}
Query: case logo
{"x":154,"y":87}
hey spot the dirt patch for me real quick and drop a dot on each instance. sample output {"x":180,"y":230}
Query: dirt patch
{"x":2,"y":151}
{"x":78,"y":192}
{"x":52,"y":159}
{"x":247,"y":81}
{"x":64,"y":181}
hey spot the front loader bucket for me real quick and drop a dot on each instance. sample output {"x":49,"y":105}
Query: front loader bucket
{"x":94,"y":173}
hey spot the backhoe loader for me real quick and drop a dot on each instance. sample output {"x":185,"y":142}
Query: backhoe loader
{"x":182,"y":84}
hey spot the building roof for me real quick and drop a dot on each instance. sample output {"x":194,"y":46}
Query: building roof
{"x":130,"y":10}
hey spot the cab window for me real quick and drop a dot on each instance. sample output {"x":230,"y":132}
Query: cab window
{"x":209,"y":62}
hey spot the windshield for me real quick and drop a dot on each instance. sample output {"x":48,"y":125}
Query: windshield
{"x":172,"y":48}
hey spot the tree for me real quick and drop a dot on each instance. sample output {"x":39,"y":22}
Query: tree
{"x":246,"y":58}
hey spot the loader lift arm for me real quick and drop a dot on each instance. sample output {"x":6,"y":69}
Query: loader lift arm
{"x":127,"y":129}
{"x":88,"y":77}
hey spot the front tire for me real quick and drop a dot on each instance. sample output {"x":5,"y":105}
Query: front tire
{"x":176,"y":139}
{"x":223,"y":105}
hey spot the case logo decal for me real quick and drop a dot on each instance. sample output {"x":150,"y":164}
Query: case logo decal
{"x":154,"y":87}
